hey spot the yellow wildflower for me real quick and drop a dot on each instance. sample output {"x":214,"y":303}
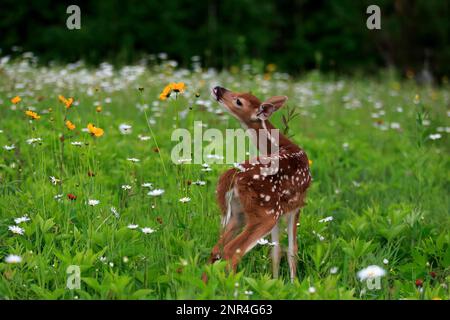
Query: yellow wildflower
{"x":94,"y":131}
{"x":310,"y":162}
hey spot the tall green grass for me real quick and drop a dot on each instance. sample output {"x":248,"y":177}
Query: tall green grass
{"x":375,"y":169}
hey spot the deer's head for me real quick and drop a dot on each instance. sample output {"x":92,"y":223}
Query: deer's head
{"x":246,"y":107}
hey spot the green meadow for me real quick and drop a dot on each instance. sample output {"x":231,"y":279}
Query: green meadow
{"x":110,"y":204}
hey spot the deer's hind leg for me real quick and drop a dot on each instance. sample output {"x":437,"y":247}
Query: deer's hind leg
{"x":232,"y":223}
{"x":254,"y":230}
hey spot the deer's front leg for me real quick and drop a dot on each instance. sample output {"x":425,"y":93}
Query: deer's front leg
{"x":292,"y":220}
{"x":276,"y":250}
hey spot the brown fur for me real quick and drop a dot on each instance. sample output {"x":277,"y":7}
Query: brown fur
{"x":262,"y":199}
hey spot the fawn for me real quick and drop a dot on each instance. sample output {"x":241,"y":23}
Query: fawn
{"x":254,"y":198}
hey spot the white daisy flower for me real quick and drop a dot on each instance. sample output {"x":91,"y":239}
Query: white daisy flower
{"x":443,"y":129}
{"x":147,"y":230}
{"x":77,"y":143}
{"x":311,"y":290}
{"x":16,"y":230}
{"x":12,"y":258}
{"x":185,"y":199}
{"x":33,"y":140}
{"x":115,"y":212}
{"x":93,"y":202}
{"x":356,"y":184}
{"x":9,"y":148}
{"x":321,"y":238}
{"x":126,"y":187}
{"x":435,"y":136}
{"x":133,"y":159}
{"x":385,"y":261}
{"x":147,"y":185}
{"x":125,"y":128}
{"x":58,"y":197}
{"x":144,"y":138}
{"x":248,"y":292}
{"x":334,"y":270}
{"x":199,"y":183}
{"x":132,"y":226}
{"x":327,"y":219}
{"x":264,"y":242}
{"x":371,"y":272}
{"x":103,"y":259}
{"x":54,"y":180}
{"x":156,"y":192}
{"x":21,"y":219}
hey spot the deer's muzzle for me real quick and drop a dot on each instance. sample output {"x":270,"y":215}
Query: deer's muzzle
{"x":218,"y":92}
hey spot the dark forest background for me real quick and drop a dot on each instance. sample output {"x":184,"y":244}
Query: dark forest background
{"x":296,"y":35}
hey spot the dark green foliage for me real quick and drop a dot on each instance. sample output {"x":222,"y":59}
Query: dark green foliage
{"x":294,"y":34}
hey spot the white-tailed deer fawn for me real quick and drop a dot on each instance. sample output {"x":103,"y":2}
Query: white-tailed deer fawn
{"x":251,"y":196}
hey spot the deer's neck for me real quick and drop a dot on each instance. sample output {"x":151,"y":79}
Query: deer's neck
{"x":266,"y":136}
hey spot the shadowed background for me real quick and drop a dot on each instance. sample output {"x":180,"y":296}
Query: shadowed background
{"x":296,"y":35}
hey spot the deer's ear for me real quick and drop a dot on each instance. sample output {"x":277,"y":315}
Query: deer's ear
{"x":270,"y":106}
{"x":277,"y":101}
{"x":265,"y":111}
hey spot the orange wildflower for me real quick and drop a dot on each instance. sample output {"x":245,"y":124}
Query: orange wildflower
{"x":94,"y":131}
{"x":67,"y":102}
{"x":172,"y":87}
{"x":177,"y":87}
{"x":70,"y":125}
{"x":16,"y":99}
{"x":165,"y":93}
{"x":33,"y":115}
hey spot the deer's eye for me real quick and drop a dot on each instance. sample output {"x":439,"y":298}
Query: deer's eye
{"x":238,"y":102}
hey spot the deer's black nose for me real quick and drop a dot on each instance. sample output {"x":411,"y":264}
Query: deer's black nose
{"x":218,"y":92}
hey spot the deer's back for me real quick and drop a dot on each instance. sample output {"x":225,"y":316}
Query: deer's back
{"x":277,"y":193}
